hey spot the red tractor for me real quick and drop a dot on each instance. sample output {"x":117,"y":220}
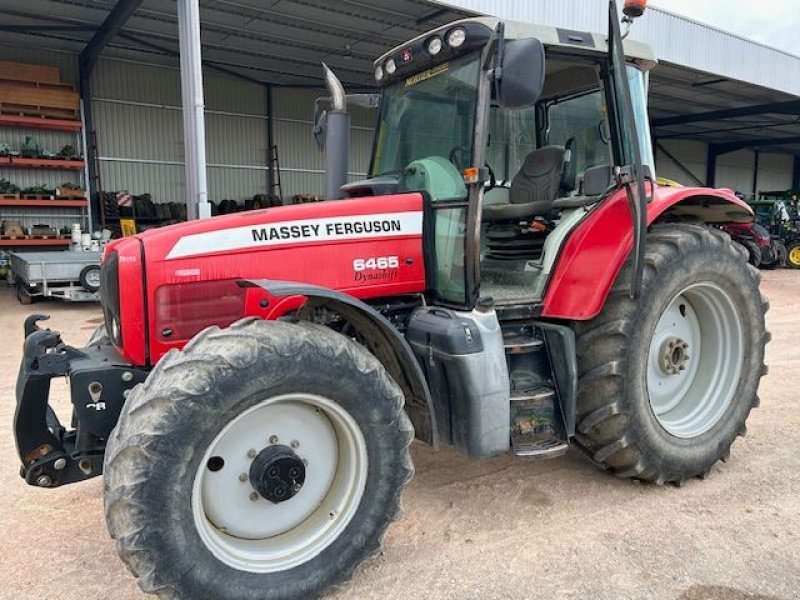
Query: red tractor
{"x":508,"y":279}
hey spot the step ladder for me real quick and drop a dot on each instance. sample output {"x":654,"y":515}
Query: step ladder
{"x":274,"y":165}
{"x":537,"y":429}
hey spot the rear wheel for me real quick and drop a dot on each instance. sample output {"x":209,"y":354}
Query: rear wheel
{"x":753,"y":251}
{"x":793,"y":255}
{"x":778,"y":254}
{"x":264,"y":461}
{"x":666,"y":382}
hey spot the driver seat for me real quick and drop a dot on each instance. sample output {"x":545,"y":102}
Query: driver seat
{"x":538,"y":184}
{"x":546,"y":174}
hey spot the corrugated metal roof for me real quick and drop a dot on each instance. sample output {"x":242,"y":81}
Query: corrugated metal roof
{"x":278,"y":42}
{"x":702,"y":68}
{"x":675,"y":39}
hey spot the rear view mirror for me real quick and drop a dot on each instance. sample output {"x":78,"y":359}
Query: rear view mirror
{"x":522,"y":74}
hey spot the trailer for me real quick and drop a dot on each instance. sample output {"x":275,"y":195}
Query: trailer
{"x":72,"y":276}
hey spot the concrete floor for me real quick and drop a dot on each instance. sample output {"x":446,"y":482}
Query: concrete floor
{"x":495,"y":529}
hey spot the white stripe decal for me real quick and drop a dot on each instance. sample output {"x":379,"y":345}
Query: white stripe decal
{"x":354,"y":227}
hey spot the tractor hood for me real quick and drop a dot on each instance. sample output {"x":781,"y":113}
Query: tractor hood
{"x":189,"y":273}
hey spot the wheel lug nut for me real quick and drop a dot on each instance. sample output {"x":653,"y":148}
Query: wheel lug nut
{"x":273,"y":439}
{"x":253,"y":496}
{"x":295,"y":444}
{"x":251,"y":453}
{"x":242,"y":477}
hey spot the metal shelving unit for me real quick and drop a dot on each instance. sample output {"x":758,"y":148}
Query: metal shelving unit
{"x":58,"y":212}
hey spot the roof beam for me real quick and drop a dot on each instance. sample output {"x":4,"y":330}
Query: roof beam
{"x":114,"y":22}
{"x":791,"y":107}
{"x":724,"y":148}
{"x":38,"y":28}
{"x":206,"y":63}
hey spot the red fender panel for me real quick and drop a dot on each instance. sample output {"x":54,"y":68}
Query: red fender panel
{"x":595,"y":251}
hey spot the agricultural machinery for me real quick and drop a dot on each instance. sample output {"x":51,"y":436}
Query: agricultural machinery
{"x":509,"y":278}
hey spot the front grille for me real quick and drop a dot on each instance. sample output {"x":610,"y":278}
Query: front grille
{"x":109,"y":293}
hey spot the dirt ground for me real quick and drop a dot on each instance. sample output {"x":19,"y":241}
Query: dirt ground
{"x":501,"y":528}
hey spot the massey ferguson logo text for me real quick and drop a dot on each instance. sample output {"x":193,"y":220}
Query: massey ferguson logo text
{"x":300,"y":231}
{"x":333,"y":229}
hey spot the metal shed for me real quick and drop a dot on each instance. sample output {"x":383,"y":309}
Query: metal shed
{"x":717,"y":114}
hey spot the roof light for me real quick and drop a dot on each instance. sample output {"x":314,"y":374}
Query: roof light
{"x":456,"y":37}
{"x":434,"y":45}
{"x":390,"y":66}
{"x":634,"y":8}
{"x":378,"y":73}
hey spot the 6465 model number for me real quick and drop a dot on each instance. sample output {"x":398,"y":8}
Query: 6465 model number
{"x":378,"y":262}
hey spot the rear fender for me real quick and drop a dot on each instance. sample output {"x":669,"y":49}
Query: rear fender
{"x":595,"y":251}
{"x":381,"y":337}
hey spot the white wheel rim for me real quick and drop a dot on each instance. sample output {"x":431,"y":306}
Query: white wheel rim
{"x":700,"y":331}
{"x":251,"y":533}
{"x":93,"y":277}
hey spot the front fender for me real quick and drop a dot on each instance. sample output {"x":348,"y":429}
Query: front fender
{"x":382,"y":339}
{"x":595,"y":251}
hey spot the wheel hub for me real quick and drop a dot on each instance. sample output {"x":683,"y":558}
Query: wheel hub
{"x":277,"y":473}
{"x":673,"y":355}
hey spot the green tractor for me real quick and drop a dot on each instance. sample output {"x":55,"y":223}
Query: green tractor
{"x":779,"y":212}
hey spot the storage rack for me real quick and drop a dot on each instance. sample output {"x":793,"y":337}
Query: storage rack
{"x":57,"y":211}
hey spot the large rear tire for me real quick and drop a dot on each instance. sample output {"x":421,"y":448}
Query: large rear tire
{"x":265,"y":460}
{"x":667,"y":381}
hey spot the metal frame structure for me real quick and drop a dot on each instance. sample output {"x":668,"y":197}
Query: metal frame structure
{"x":194,"y":128}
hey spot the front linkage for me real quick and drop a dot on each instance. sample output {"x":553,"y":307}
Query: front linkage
{"x":100,"y":380}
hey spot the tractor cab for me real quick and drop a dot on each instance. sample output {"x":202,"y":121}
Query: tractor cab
{"x":512,"y":132}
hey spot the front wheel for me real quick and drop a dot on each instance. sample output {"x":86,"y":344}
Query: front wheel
{"x":265,"y":460}
{"x":667,"y":381}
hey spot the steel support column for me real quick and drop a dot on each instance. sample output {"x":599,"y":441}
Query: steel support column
{"x":756,"y":161}
{"x":90,"y":152}
{"x":270,"y":144}
{"x":711,"y":165}
{"x":194,"y":132}
{"x":116,"y":19}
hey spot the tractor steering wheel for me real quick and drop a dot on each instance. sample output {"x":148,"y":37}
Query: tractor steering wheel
{"x":492,"y":179}
{"x":459,"y":156}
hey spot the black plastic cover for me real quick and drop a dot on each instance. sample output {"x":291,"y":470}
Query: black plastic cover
{"x":444,"y":331}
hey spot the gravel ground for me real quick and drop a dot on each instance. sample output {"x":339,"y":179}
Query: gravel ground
{"x":501,"y":528}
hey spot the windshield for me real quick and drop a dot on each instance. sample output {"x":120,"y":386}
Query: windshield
{"x":431,"y":113}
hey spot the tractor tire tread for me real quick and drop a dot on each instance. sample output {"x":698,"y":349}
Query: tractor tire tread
{"x":170,"y":391}
{"x":604,"y":431}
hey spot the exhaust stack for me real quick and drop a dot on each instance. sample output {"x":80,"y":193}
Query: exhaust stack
{"x":337,"y":138}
